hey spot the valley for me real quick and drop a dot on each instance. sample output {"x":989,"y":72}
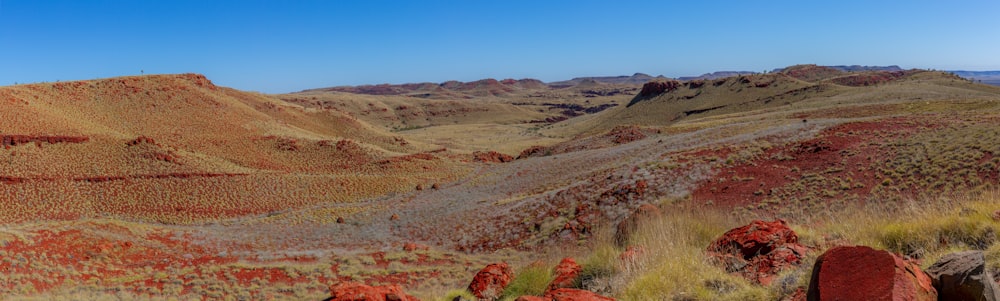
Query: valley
{"x":169,"y":186}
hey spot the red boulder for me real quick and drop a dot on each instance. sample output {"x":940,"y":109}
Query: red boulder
{"x":353,"y":291}
{"x":566,"y":274}
{"x":569,"y":294}
{"x":863,"y":273}
{"x":491,"y":281}
{"x":758,"y":251}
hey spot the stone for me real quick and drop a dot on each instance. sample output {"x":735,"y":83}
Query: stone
{"x":353,"y":291}
{"x":490,"y":282}
{"x":758,"y":251}
{"x":566,"y":273}
{"x":863,"y":273}
{"x":963,"y":276}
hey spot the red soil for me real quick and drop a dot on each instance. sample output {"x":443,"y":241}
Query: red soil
{"x":847,"y":152}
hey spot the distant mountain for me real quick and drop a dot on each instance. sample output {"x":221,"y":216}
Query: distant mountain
{"x":855,"y":68}
{"x":715,"y":75}
{"x":449,"y":89}
{"x":635,"y":79}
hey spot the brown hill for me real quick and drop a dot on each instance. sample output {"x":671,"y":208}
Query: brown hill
{"x":191,"y":141}
{"x":671,"y":101}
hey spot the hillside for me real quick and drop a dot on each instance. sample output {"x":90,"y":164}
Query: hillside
{"x":179,"y":134}
{"x":803,"y":87}
{"x":154,"y":187}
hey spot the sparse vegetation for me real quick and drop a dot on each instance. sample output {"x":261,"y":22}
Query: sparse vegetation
{"x":163,"y":186}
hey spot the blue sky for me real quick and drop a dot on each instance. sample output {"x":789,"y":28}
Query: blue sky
{"x":284,"y":46}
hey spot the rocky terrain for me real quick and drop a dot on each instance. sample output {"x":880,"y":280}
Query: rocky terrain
{"x":730,"y":187}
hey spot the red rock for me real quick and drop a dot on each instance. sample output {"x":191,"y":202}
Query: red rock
{"x":491,"y":157}
{"x":631,"y":254}
{"x":410,"y":247}
{"x":532,"y":151}
{"x":532,"y":298}
{"x":863,"y":273}
{"x":340,"y":220}
{"x":758,"y":251}
{"x":569,"y":294}
{"x":624,"y":134}
{"x":566,"y":273}
{"x":353,"y":291}
{"x":491,"y":281}
{"x":658,"y":87}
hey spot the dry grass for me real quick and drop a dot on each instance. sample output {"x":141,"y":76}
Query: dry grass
{"x":674,"y":263}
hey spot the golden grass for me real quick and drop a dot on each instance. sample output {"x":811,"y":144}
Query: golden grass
{"x":674,"y":263}
{"x":507,"y":139}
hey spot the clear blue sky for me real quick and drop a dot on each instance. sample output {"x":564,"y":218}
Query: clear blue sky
{"x":284,"y":46}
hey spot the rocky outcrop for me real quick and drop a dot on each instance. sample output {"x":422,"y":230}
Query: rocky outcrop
{"x":863,"y":273}
{"x":534,"y":151}
{"x":759,"y":250}
{"x":14,"y":140}
{"x":654,"y":88}
{"x":567,"y":274}
{"x":491,"y":157}
{"x":963,"y":276}
{"x":491,"y":281}
{"x":626,"y":133}
{"x":353,"y":291}
{"x":870,"y":78}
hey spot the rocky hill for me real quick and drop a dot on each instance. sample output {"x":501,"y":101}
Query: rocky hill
{"x":154,"y":187}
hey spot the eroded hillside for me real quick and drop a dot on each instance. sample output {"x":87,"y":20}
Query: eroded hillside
{"x":153,"y":187}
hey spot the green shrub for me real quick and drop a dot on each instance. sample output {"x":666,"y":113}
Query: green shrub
{"x":531,"y":281}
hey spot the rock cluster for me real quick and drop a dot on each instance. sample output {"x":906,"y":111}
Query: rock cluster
{"x":353,"y":291}
{"x":490,"y":282}
{"x":758,"y":251}
{"x":491,"y":157}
